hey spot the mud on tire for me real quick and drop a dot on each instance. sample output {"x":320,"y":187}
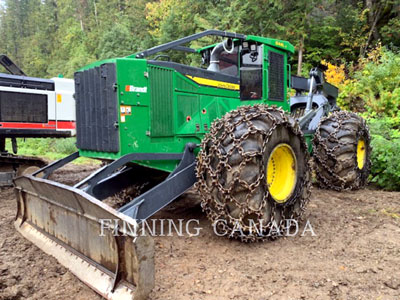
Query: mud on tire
{"x":231,"y":171}
{"x":337,"y":145}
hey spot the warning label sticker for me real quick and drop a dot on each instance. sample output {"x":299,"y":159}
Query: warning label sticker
{"x":125,"y":110}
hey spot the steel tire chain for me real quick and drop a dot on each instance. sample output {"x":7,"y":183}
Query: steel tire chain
{"x":339,"y":117}
{"x":211,"y":147}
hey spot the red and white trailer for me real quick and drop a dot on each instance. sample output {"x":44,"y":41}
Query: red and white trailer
{"x":34,"y":107}
{"x":31,"y":108}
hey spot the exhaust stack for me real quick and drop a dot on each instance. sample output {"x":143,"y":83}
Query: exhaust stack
{"x":226,"y":46}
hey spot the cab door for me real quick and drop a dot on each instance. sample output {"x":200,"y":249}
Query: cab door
{"x":251,"y":72}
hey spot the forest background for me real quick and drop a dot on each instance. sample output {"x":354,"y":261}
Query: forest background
{"x":357,"y":41}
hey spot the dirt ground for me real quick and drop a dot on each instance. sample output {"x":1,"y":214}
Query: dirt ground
{"x":354,"y":255}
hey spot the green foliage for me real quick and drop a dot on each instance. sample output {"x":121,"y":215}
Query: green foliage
{"x":388,"y":128}
{"x":391,"y":32}
{"x":116,"y":42}
{"x":375,"y":88}
{"x":45,"y":146}
{"x":48,"y":148}
{"x":48,"y":37}
{"x":385,"y":170}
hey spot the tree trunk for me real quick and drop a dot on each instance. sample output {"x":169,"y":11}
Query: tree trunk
{"x":300,"y":57}
{"x":55,"y":14}
{"x":95,"y":12}
{"x":375,"y":17}
{"x":81,"y":7}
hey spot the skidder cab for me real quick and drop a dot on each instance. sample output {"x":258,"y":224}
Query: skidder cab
{"x":227,"y":126}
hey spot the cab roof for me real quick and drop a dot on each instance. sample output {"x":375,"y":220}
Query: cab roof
{"x":280,"y":44}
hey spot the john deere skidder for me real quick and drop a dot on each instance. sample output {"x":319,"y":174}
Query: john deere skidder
{"x":227,"y":126}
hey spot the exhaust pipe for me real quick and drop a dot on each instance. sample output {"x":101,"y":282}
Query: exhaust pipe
{"x":226,"y":46}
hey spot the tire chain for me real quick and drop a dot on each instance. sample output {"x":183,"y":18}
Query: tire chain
{"x":318,"y":141}
{"x":212,"y":145}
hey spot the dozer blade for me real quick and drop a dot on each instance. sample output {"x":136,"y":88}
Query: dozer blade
{"x":65,"y":222}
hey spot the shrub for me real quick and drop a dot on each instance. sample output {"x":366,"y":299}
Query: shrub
{"x":334,"y":74}
{"x":45,"y":147}
{"x":64,"y":146}
{"x":375,"y":86}
{"x":385,"y":169}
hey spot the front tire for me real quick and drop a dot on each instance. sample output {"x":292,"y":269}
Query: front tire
{"x":253,"y":173}
{"x":341,"y":150}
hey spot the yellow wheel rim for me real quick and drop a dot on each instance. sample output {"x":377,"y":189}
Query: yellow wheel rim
{"x":281,"y":173}
{"x":361,"y":154}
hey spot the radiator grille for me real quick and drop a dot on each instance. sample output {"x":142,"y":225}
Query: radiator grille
{"x":276,"y":76}
{"x":23,"y":107}
{"x":97,"y":109}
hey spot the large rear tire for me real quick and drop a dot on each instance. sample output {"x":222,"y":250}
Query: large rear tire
{"x":341,"y":150}
{"x":253,"y":173}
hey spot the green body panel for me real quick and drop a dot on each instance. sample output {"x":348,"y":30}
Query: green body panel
{"x":169,"y":110}
{"x":282,"y":45}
